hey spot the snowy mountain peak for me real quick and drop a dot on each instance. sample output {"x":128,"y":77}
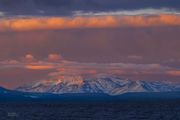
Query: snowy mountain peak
{"x":78,"y":80}
{"x":102,"y":83}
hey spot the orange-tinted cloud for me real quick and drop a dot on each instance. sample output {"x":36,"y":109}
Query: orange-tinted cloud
{"x":39,"y":67}
{"x":48,"y":23}
{"x":29,"y":58}
{"x":174,"y":72}
{"x":55,"y":57}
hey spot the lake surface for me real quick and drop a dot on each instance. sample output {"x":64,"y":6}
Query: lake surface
{"x":91,"y":111}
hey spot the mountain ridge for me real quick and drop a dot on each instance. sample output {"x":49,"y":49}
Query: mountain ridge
{"x":107,"y":84}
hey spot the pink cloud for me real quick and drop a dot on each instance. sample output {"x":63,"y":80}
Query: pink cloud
{"x":55,"y":57}
{"x":28,"y":58}
{"x":174,"y":72}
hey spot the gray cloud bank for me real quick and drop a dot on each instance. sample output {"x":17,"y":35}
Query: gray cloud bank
{"x":68,"y":7}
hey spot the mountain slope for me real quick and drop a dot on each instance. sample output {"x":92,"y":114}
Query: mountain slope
{"x":15,"y":96}
{"x":107,"y":84}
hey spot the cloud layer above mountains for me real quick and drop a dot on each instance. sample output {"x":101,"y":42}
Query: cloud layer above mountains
{"x":136,"y":39}
{"x":55,"y":66}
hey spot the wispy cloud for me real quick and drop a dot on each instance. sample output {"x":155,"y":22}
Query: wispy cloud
{"x":64,"y":67}
{"x":147,"y":11}
{"x":136,"y":57}
{"x":2,"y":14}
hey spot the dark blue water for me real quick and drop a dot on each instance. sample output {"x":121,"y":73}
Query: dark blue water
{"x":91,"y":111}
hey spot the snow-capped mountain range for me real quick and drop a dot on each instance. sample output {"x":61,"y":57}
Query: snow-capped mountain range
{"x":102,"y":83}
